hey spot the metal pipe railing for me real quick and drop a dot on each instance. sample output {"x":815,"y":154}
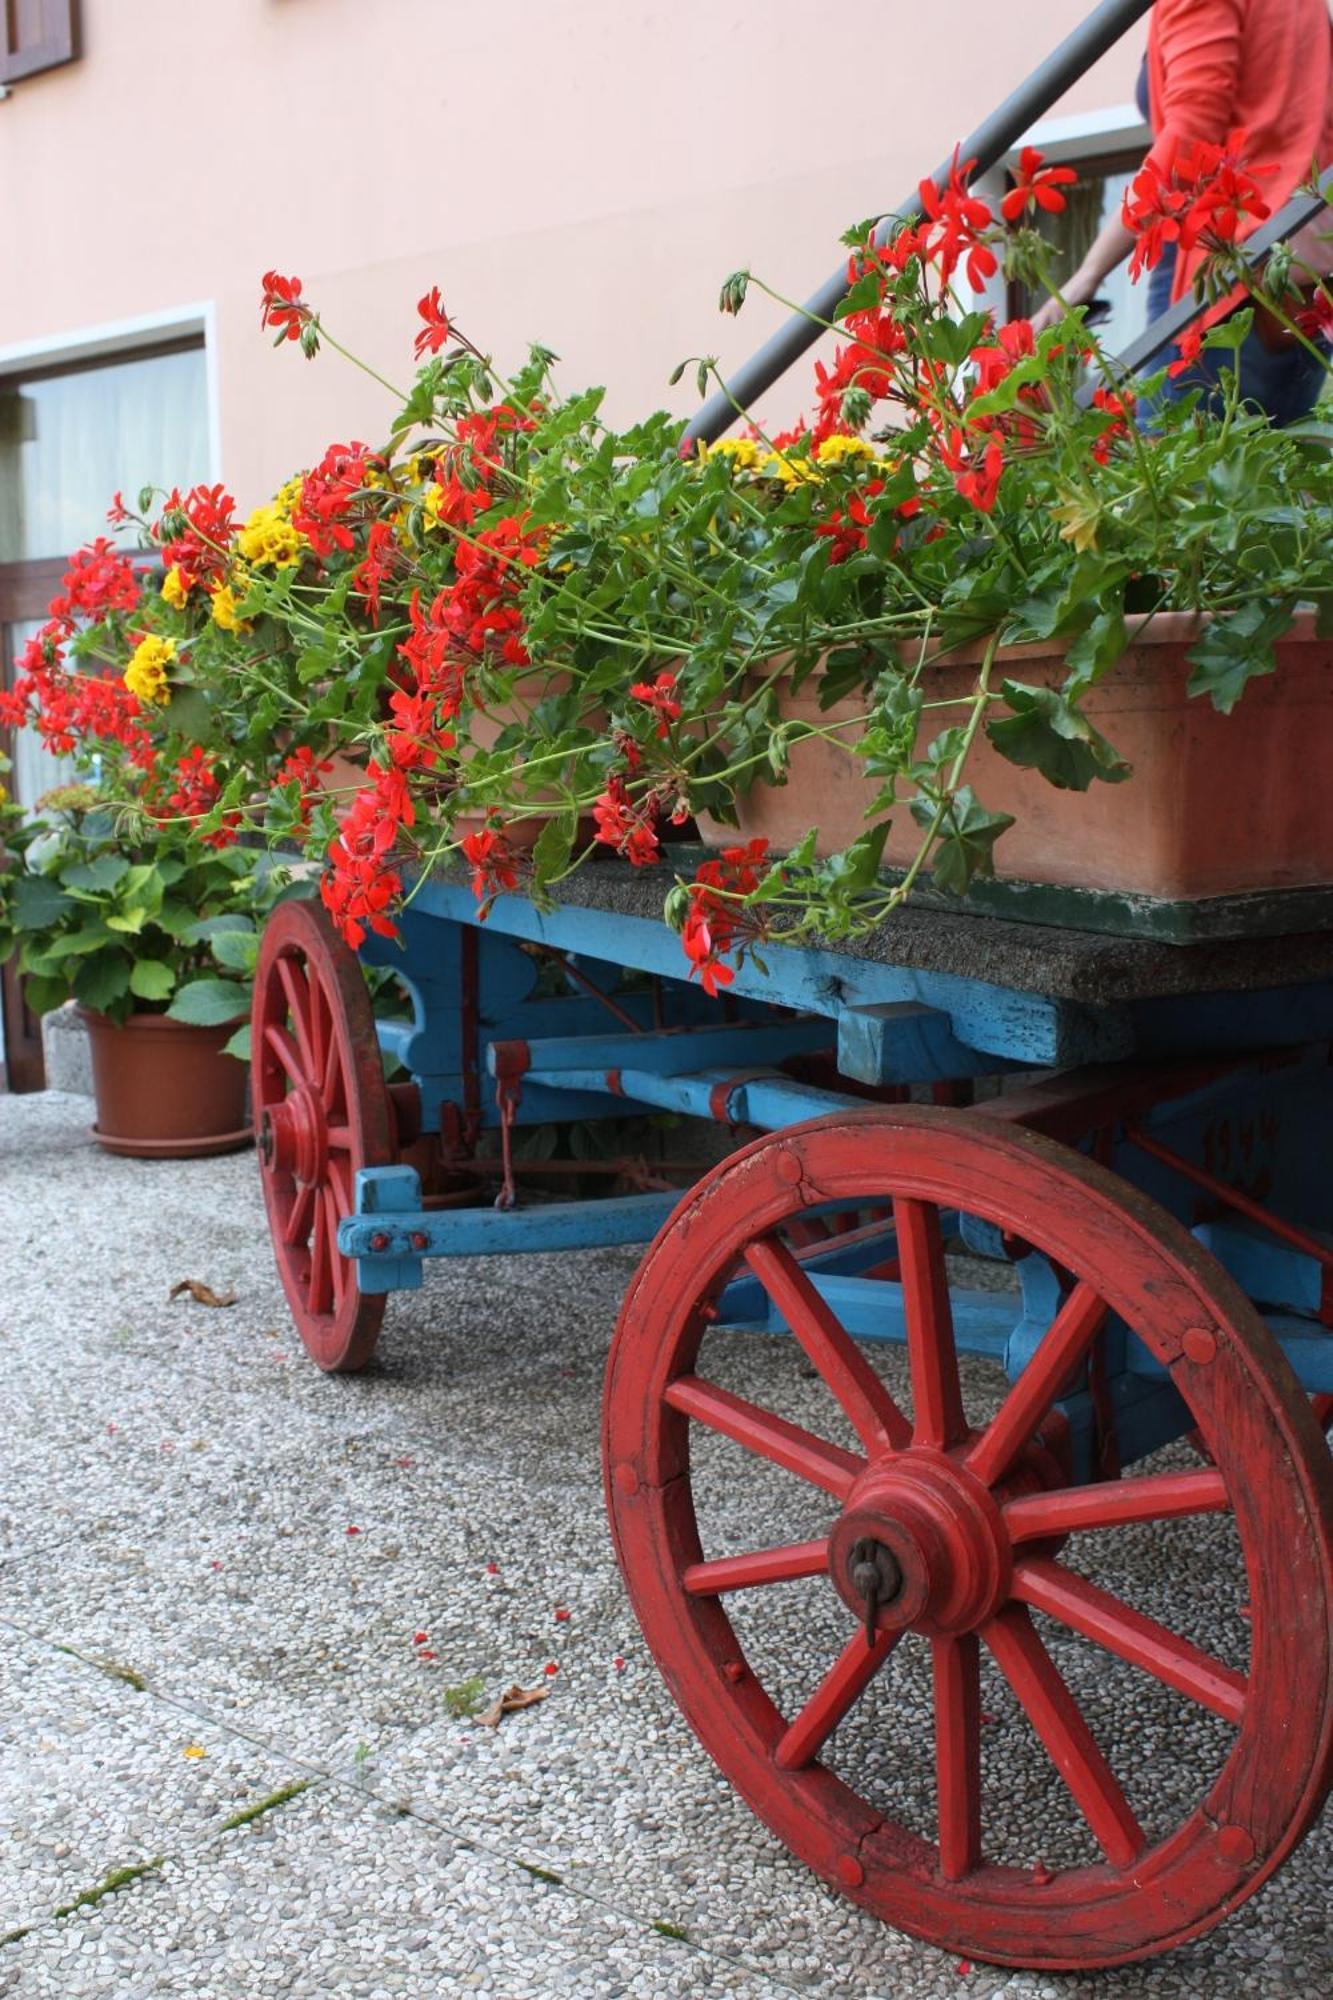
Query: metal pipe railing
{"x":992,"y":139}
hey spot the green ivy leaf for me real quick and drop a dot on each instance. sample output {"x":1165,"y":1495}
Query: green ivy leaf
{"x":1045,"y":733}
{"x":1234,"y":649}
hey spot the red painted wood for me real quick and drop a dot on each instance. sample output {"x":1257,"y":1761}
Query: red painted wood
{"x":868,"y":1406}
{"x":1098,"y":1615}
{"x":316,"y":1079}
{"x":1058,"y":1720}
{"x":957,"y":1676}
{"x":1063,"y":1347}
{"x":809,"y":1457}
{"x":843,"y":1685}
{"x":1114,"y":1503}
{"x":710,"y":1579}
{"x":971,"y":1547}
{"x":937,"y":1400}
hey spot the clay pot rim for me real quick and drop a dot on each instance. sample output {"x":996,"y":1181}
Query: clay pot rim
{"x":145,"y":1023}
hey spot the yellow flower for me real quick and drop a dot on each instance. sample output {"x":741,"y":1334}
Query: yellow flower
{"x":224,"y":610}
{"x":288,"y":496}
{"x":1081,"y":518}
{"x":741,"y":454}
{"x":194,"y":1750}
{"x":175,"y":588}
{"x":430,"y":509}
{"x":838,"y":450}
{"x":791,"y":471}
{"x":146,"y":674}
{"x":268,"y":537}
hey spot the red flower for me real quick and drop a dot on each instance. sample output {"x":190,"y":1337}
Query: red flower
{"x":630,"y":829}
{"x":304,"y":769}
{"x":195,"y":532}
{"x":283,"y":307}
{"x":494,"y":866}
{"x":550,"y":1668}
{"x":198,"y":790}
{"x":420,"y":1638}
{"x":1316,"y":319}
{"x":1196,"y":193}
{"x":1036,"y":186}
{"x":361,"y":884}
{"x":98,"y":581}
{"x":846,"y":528}
{"x":561,"y":1615}
{"x":1187,"y":348}
{"x":981,"y":482}
{"x":1120,"y":410}
{"x":435,"y":332}
{"x":715,"y":923}
{"x":953,"y":230}
{"x":660,"y":697}
{"x":415,"y":741}
{"x":327,"y":497}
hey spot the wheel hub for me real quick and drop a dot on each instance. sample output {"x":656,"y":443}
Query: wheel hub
{"x":294,"y":1136}
{"x":920,"y":1546}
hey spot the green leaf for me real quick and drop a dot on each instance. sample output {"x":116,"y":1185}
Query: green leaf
{"x":209,"y":1003}
{"x":129,"y":921}
{"x":1045,"y":733}
{"x":967,"y":837}
{"x":1235,"y":649}
{"x":102,"y":873}
{"x":102,"y":980}
{"x":151,"y":979}
{"x":238,"y":951}
{"x":238,"y":1044}
{"x":39,"y":903}
{"x":554,"y":845}
{"x":205,"y":928}
{"x":45,"y":992}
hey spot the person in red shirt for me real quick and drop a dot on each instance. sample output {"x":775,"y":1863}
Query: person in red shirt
{"x":1214,"y":68}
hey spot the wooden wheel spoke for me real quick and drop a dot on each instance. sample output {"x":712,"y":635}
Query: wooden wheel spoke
{"x":337,"y":1262}
{"x":1019,"y":1416}
{"x":844,"y":1369}
{"x":799,"y":1451}
{"x":320,"y":1286}
{"x":711,"y":1579}
{"x":296,"y":1229}
{"x":937,"y":1398}
{"x":956,"y":1664}
{"x":297,"y":990}
{"x":1115,"y":1503}
{"x":1177,"y":1662}
{"x":339,"y":1138}
{"x":842,"y":1686}
{"x":284,"y":1048}
{"x":1070,"y":1744}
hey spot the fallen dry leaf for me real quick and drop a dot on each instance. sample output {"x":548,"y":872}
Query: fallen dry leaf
{"x":202,"y":1294}
{"x":510,"y":1703}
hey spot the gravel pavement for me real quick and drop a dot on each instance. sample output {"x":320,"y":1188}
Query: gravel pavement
{"x":228,"y":1582}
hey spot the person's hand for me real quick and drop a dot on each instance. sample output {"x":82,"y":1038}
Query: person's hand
{"x":1078,"y":291}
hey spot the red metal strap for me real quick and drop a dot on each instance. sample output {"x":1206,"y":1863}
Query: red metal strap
{"x":720,"y":1096}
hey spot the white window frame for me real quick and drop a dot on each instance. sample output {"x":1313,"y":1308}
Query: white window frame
{"x":118,"y":340}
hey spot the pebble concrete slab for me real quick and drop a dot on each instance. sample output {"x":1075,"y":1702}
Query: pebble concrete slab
{"x":242,"y":1606}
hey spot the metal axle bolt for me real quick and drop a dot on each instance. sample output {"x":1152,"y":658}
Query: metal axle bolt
{"x":876,"y":1578}
{"x":379,"y":1241}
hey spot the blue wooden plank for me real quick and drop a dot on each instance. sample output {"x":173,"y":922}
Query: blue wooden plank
{"x":674,"y":1051}
{"x":872,"y":1309}
{"x":769,"y":1102}
{"x":481,"y":1232}
{"x":904,"y":1041}
{"x":1003,"y":1021}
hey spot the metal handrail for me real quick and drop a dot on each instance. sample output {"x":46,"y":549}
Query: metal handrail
{"x":992,"y":139}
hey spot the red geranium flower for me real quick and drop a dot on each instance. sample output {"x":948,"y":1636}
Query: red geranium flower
{"x":1036,"y":186}
{"x":435,"y":332}
{"x":284,"y":307}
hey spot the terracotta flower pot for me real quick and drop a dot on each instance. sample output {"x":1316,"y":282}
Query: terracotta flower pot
{"x":1183,"y":826}
{"x":164,"y":1089}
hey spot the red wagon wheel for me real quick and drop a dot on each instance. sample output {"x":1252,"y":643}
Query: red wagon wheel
{"x":966,"y":1541}
{"x":322,"y":1112}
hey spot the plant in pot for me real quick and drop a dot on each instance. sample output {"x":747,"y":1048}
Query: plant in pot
{"x":154,"y":937}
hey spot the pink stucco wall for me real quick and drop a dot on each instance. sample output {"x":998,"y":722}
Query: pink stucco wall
{"x":582,"y":172}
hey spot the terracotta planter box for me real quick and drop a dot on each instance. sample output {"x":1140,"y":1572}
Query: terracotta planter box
{"x":164,"y":1089}
{"x":1217,"y":805}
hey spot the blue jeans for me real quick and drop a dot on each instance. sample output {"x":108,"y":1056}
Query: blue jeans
{"x":1285,"y":384}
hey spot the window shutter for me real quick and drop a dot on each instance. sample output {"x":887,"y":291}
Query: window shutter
{"x":36,"y":35}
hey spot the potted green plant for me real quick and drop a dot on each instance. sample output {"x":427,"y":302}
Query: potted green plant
{"x":155,"y":940}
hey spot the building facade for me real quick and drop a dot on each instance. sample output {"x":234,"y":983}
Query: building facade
{"x":583,"y":174}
